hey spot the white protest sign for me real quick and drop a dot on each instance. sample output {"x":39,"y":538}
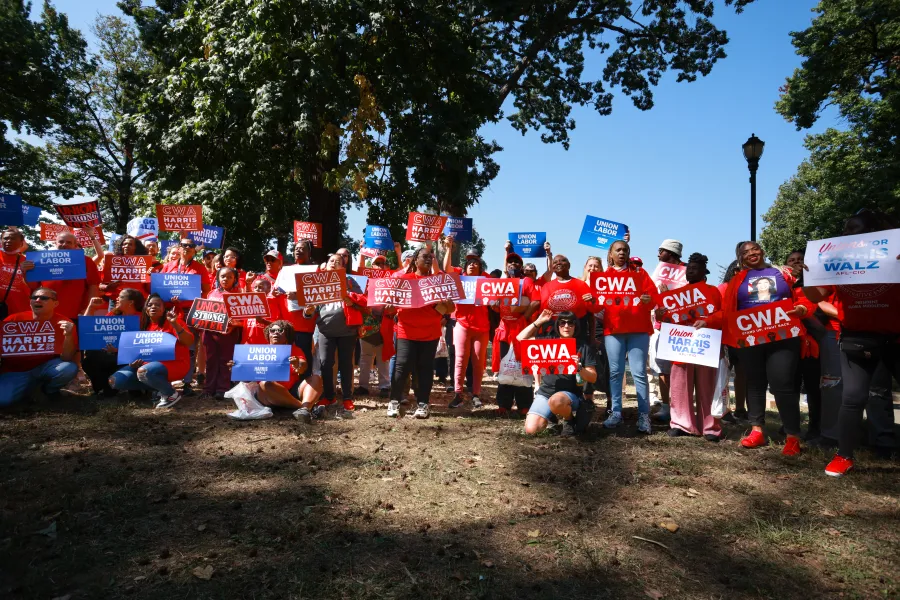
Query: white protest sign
{"x":854,"y":259}
{"x":684,"y":344}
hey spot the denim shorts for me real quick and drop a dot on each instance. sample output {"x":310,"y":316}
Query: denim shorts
{"x":541,"y":405}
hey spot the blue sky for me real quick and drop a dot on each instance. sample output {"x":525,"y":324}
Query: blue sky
{"x":675,"y":171}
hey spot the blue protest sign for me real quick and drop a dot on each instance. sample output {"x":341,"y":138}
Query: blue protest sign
{"x":31,"y":215}
{"x":601,"y":233}
{"x":469,"y":287}
{"x":149,"y":346}
{"x":94,"y":333}
{"x":176,"y":286}
{"x":529,"y":244}
{"x":164,"y":247}
{"x":210,"y":237}
{"x":460,"y":228}
{"x":361,"y":280}
{"x":261,"y":362}
{"x":378,"y":237}
{"x":11,"y":210}
{"x":56,"y":265}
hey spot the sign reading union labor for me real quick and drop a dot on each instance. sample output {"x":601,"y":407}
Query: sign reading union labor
{"x":180,"y":217}
{"x":321,"y":287}
{"x":424,"y":228}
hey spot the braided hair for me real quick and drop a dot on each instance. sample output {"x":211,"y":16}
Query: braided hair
{"x":412,"y":263}
{"x":700,"y":259}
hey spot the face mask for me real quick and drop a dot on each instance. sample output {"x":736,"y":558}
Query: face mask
{"x":514,"y":271}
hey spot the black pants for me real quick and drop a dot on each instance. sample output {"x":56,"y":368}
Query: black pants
{"x":859,"y":375}
{"x":304,"y":341}
{"x":98,"y":365}
{"x":773,"y":366}
{"x":809,"y":375}
{"x":344,"y":346}
{"x":414,"y":357}
{"x":506,"y":394}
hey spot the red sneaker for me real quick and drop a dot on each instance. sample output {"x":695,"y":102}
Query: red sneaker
{"x":502,"y":412}
{"x":324,"y":402}
{"x":754,"y":440}
{"x":839,"y":466}
{"x":348,"y":405}
{"x":791,"y":446}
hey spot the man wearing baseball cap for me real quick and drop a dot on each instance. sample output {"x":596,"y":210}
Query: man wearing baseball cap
{"x":670,"y":253}
{"x":274,"y":262}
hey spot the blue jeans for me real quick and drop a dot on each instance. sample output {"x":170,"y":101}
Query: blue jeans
{"x":150,"y":376}
{"x":53,"y":374}
{"x":635,"y":346}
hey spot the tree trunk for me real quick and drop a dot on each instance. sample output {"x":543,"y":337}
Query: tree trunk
{"x":324,"y":206}
{"x":125,"y":193}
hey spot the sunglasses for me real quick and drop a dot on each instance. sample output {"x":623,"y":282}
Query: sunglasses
{"x":43,"y":298}
{"x":276,"y":330}
{"x":566,"y":323}
{"x":188,"y":246}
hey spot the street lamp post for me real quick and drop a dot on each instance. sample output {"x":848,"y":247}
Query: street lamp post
{"x":753,"y":150}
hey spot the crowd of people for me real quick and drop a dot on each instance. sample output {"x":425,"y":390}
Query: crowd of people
{"x":844,"y":363}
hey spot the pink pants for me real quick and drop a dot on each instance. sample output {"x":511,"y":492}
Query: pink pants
{"x":685,"y":381}
{"x":465,"y":342}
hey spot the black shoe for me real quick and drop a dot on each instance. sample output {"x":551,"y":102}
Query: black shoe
{"x":220,"y":396}
{"x":741,"y":415}
{"x":812,"y":434}
{"x":711,"y":438}
{"x":729,"y":418}
{"x":450,"y":389}
{"x":201,"y":379}
{"x":583,"y":416}
{"x":568,"y":429}
{"x":384,"y":392}
{"x":361,"y":391}
{"x":675,"y":432}
{"x":53,"y":396}
{"x":456,"y":402}
{"x":187,"y":391}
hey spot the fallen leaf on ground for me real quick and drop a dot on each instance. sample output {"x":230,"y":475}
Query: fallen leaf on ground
{"x":828,"y":513}
{"x":670,"y":525}
{"x":655,"y":594}
{"x":534,"y":533}
{"x":204,"y":573}
{"x":691,"y":493}
{"x":488,"y":564}
{"x":832,"y":531}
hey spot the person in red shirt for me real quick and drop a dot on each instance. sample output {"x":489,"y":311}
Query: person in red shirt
{"x":565,"y":293}
{"x":157,"y":375}
{"x":43,"y":354}
{"x":274,"y":261}
{"x":470,"y":334}
{"x":126,"y":245}
{"x":688,"y":380}
{"x":626,"y":332}
{"x":219,"y":347}
{"x":254,"y":329}
{"x":418,"y":330}
{"x":870,"y":342}
{"x":98,"y":365}
{"x":15,"y":292}
{"x":292,"y":311}
{"x":74,"y":294}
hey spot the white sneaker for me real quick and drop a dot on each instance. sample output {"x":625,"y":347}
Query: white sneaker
{"x":170,"y":401}
{"x":643,"y":423}
{"x":393,"y":409}
{"x":614,"y":419}
{"x":422,"y":411}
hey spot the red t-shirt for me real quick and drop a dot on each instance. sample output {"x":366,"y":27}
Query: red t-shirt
{"x":295,"y":317}
{"x":70,"y":293}
{"x":20,"y":352}
{"x":512,"y":323}
{"x":418,"y":324}
{"x":177,"y":368}
{"x":470,"y":316}
{"x":560,"y":297}
{"x":253,"y":328}
{"x":193,"y":268}
{"x":295,"y":377}
{"x":870,"y":307}
{"x":19,"y":299}
{"x":633,"y":318}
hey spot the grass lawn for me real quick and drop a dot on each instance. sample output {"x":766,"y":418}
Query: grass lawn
{"x":113,"y":500}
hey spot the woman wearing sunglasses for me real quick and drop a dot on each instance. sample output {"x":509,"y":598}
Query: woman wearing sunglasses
{"x":559,"y":396}
{"x":157,"y":375}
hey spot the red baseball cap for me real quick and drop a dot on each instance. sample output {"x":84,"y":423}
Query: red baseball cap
{"x":274,"y":254}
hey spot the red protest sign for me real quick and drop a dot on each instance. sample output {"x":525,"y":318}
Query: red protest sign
{"x":671,"y":276}
{"x":308,"y":231}
{"x":208,"y":315}
{"x":245,"y":305}
{"x":49,"y":231}
{"x":376,"y":273}
{"x":558,"y":356}
{"x":127,"y":269}
{"x":424,"y":228}
{"x":321,"y":287}
{"x":504,"y":291}
{"x":686,"y":305}
{"x":762,"y":325}
{"x":30,"y":338}
{"x":440,"y":287}
{"x":615,"y":289}
{"x":401,"y":292}
{"x":179,"y":217}
{"x":83,"y":214}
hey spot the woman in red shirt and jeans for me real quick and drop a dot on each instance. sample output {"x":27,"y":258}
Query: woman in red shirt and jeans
{"x":418,"y":330}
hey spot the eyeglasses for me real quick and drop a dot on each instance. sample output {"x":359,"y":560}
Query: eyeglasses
{"x":566,"y":323}
{"x":276,"y":330}
{"x":189,"y":246}
{"x":43,"y":298}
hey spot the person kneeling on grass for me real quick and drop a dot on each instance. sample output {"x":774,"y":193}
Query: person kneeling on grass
{"x":559,"y":396}
{"x":292,"y":393}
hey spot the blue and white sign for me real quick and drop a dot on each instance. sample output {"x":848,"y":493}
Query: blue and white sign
{"x":601,"y":233}
{"x":164,"y":247}
{"x":56,"y":265}
{"x":261,"y":362}
{"x":176,"y":286}
{"x":95,"y":333}
{"x":529,"y":244}
{"x":470,"y":285}
{"x":684,"y":344}
{"x":145,"y":229}
{"x":378,"y":237}
{"x":31,"y":215}
{"x":854,"y":259}
{"x":460,"y":228}
{"x":11,"y":212}
{"x":148,"y":346}
{"x":210,"y":237}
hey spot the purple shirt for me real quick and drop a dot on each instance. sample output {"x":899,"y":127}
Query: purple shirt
{"x":762,"y":286}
